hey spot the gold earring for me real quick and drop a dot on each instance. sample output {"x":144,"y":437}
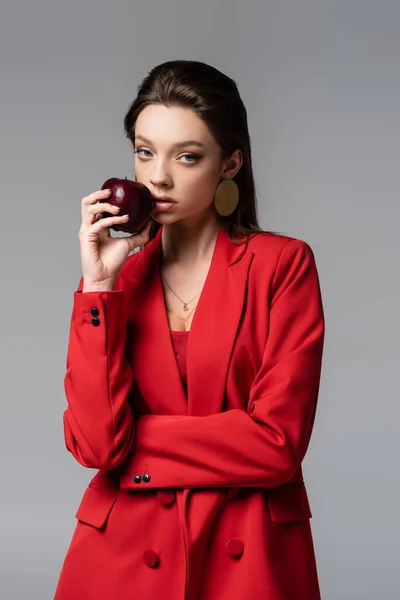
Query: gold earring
{"x":226,"y":197}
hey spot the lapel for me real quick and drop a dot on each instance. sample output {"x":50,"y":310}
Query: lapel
{"x":212,"y":333}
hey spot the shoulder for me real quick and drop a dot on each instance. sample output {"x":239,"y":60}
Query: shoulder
{"x":281,"y":262}
{"x":270,"y":248}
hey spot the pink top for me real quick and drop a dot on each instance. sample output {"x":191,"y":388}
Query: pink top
{"x":179,"y":341}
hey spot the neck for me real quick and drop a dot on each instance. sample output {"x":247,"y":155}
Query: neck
{"x":187,"y":244}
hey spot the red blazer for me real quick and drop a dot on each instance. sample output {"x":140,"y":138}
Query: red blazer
{"x":198,"y":498}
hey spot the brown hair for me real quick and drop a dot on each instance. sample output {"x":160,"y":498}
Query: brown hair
{"x":215,"y":98}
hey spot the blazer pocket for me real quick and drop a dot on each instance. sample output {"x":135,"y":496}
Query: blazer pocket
{"x":288,"y":503}
{"x":95,"y":506}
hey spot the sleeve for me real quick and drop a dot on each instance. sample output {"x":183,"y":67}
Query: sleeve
{"x":98,"y":421}
{"x":265,"y":445}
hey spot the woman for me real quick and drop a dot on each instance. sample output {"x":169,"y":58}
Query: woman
{"x":193,"y":370}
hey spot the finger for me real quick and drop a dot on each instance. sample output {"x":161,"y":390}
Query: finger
{"x":93,"y":198}
{"x":105,"y":222}
{"x":95,"y":211}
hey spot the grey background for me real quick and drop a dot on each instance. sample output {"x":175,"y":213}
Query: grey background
{"x":322,"y":87}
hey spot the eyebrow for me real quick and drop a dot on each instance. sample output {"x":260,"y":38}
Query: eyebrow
{"x":176,"y":145}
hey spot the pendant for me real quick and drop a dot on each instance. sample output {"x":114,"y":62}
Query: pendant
{"x":185,"y":307}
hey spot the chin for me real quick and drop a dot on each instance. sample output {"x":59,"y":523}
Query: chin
{"x":162,"y":218}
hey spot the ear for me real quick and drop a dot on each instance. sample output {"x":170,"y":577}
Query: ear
{"x":232,"y":165}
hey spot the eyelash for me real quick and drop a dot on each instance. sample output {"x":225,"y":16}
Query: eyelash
{"x":196,"y":157}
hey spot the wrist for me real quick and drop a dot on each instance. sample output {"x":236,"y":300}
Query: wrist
{"x":99,"y":286}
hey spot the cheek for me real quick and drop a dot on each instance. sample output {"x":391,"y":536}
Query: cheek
{"x":198,"y":192}
{"x":201,"y":181}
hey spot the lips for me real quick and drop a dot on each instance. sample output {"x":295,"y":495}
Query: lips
{"x":164,"y":199}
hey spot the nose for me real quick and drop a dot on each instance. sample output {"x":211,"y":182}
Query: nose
{"x":160,"y":178}
{"x":158,"y":184}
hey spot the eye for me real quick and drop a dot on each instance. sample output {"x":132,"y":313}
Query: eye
{"x":141,"y":150}
{"x":193,"y":158}
{"x":190,"y":157}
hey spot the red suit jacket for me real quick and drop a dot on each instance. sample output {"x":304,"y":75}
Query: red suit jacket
{"x":199,"y":497}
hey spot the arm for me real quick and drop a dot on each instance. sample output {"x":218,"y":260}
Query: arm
{"x":265,"y":446}
{"x":98,"y":423}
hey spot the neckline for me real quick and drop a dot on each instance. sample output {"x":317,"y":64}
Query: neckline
{"x":178,"y":331}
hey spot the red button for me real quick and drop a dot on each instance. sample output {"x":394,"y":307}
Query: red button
{"x":150,"y":558}
{"x":166,"y":497}
{"x":235,"y":547}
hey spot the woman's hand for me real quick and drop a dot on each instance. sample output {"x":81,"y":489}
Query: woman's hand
{"x":103,"y":256}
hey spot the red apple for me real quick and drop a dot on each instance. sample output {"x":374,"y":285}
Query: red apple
{"x":133,"y":198}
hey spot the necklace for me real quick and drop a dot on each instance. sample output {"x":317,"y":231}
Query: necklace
{"x":182,"y":318}
{"x":185,"y":304}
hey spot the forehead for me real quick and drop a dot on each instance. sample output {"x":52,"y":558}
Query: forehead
{"x":167,"y":124}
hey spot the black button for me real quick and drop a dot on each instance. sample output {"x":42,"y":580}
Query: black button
{"x":137,"y":479}
{"x":96,"y":322}
{"x":146,"y":478}
{"x":94,"y":311}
